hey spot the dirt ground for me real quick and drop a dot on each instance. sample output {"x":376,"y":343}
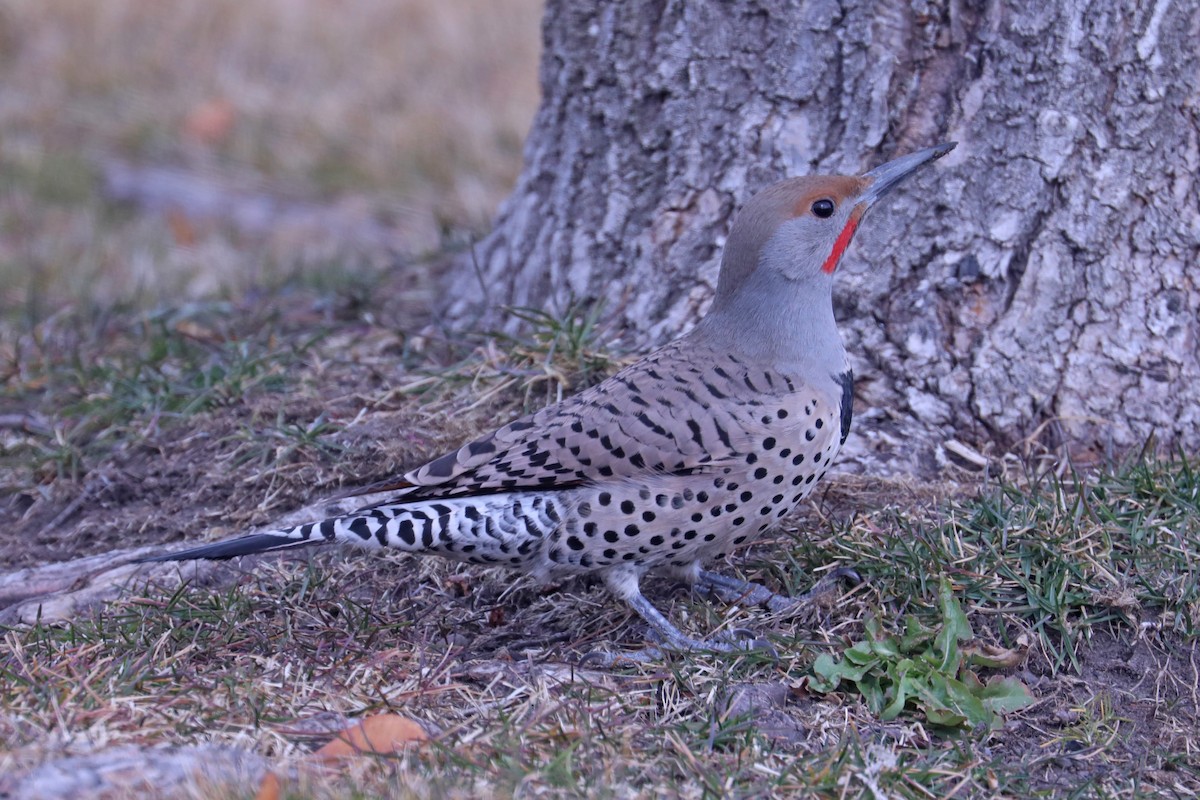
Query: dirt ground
{"x":1134,"y":695}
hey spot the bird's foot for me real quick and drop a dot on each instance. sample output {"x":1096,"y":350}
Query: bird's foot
{"x":733,"y":590}
{"x":739,"y":640}
{"x":667,"y":636}
{"x":735,"y":640}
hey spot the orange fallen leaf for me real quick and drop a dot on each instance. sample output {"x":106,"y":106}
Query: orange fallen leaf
{"x":269,"y":789}
{"x":201,"y":333}
{"x":211,"y":121}
{"x":182,"y":229}
{"x":384,"y":734}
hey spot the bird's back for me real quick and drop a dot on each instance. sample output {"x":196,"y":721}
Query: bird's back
{"x":677,"y":458}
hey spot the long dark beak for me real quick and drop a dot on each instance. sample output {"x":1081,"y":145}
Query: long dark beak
{"x":887,"y":176}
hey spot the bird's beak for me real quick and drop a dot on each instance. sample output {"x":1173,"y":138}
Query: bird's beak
{"x":886,"y":176}
{"x":881,"y":180}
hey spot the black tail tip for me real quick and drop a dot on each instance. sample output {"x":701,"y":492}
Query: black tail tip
{"x":232,"y":548}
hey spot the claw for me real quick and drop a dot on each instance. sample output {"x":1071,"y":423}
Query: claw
{"x":606,"y":660}
{"x":735,"y":590}
{"x":668,"y":637}
{"x":848,"y":574}
{"x":746,"y":640}
{"x":740,"y":640}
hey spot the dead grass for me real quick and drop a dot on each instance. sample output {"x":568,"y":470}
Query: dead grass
{"x":409,"y":115}
{"x":490,"y":663}
{"x":249,"y":666}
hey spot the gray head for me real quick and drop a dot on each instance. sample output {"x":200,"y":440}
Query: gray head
{"x":800,"y":227}
{"x":774,"y":301}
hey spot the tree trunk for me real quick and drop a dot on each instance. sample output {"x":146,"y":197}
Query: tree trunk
{"x":1038,"y":282}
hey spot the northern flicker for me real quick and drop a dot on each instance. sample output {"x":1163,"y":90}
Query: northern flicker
{"x":677,"y":459}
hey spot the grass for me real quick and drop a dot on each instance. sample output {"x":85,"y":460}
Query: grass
{"x":1066,"y":556}
{"x":1088,"y":575}
{"x":482,"y":666}
{"x":402,"y":116}
{"x":559,"y":353}
{"x":375,"y":137}
{"x":113,"y":379}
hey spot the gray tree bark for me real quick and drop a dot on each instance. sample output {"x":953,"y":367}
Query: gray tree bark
{"x":1038,"y":283}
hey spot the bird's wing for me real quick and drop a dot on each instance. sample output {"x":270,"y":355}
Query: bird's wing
{"x":648,"y":418}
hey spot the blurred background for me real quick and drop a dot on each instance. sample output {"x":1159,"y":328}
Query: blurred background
{"x":158,"y":152}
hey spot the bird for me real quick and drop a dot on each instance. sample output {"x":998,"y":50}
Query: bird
{"x":681,"y":457}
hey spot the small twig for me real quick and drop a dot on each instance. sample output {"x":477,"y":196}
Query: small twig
{"x":71,"y":508}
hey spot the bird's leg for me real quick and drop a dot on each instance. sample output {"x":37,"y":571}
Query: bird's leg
{"x":672,"y":637}
{"x":625,"y":585}
{"x":734,"y":590}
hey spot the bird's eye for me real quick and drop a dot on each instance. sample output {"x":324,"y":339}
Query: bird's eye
{"x":823,"y":208}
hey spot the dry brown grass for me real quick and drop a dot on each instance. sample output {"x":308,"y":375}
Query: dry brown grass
{"x":489,"y":664}
{"x":410,"y":114}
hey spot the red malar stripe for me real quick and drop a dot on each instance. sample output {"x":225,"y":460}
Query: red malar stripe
{"x":843,"y":241}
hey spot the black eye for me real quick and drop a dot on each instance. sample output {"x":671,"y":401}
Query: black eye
{"x":823,"y":208}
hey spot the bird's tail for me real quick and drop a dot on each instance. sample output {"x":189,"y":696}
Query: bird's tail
{"x":231,"y":548}
{"x":494,"y":529}
{"x":366,"y":527}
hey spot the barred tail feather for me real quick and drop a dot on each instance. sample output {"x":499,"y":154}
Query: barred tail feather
{"x":496,"y":529}
{"x":358,"y":528}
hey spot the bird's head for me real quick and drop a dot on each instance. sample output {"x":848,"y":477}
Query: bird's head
{"x":799,"y":228}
